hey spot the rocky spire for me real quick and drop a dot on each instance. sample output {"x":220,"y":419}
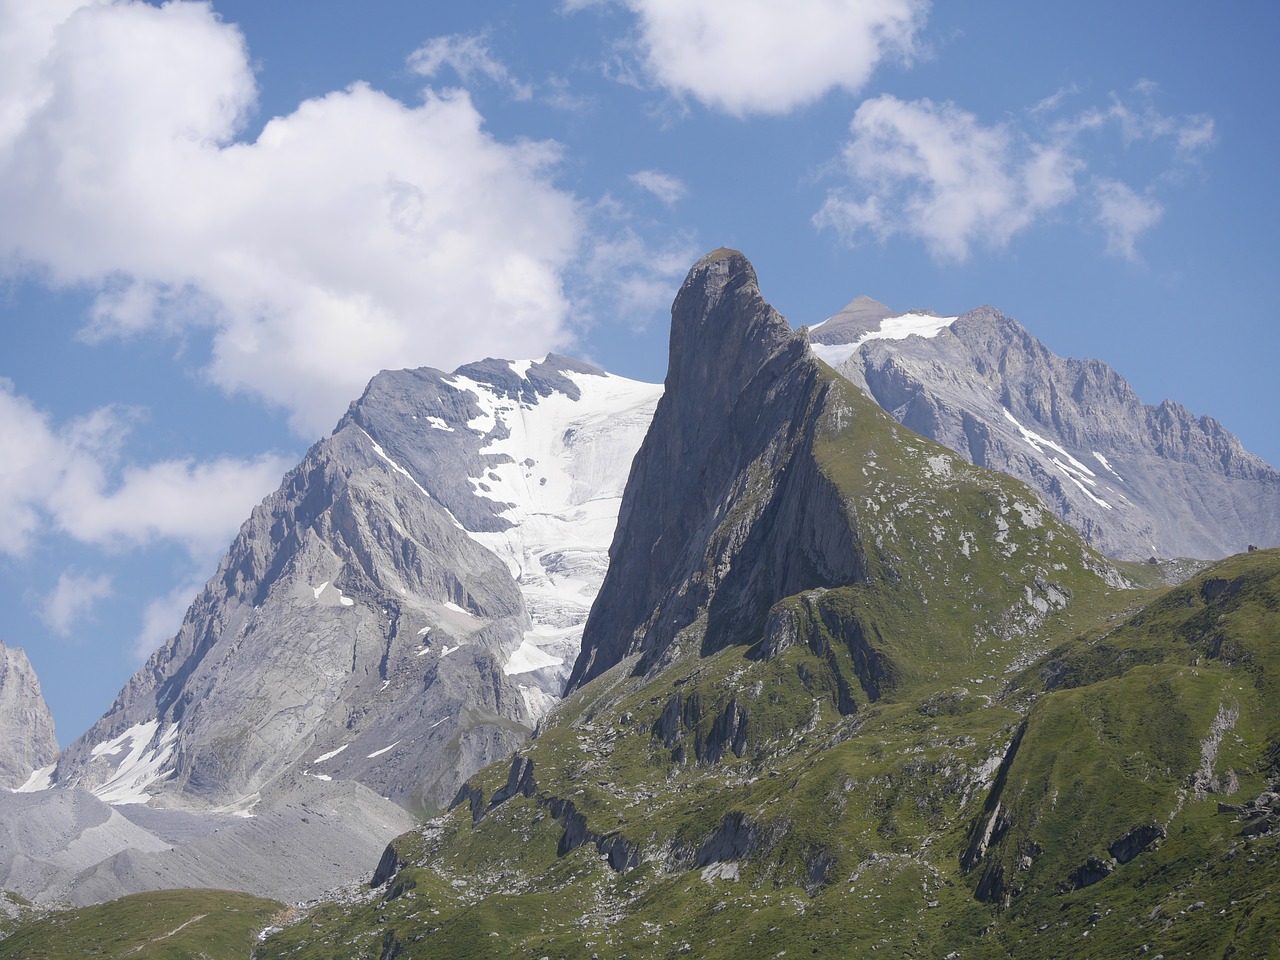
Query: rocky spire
{"x":718,"y":480}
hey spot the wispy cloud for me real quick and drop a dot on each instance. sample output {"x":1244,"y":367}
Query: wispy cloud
{"x":1123,"y":214}
{"x":73,"y":599}
{"x":667,"y":188}
{"x":470,"y":57}
{"x":70,"y":478}
{"x":162,"y":618}
{"x":630,"y":272}
{"x":1139,"y":121}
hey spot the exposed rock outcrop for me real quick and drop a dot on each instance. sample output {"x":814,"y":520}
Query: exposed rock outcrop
{"x":725,"y":471}
{"x":27,"y":740}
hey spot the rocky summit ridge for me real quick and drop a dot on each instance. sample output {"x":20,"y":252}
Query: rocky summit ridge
{"x":1137,"y":480}
{"x":401,"y":610}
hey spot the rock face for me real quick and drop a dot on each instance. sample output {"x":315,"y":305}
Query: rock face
{"x":48,"y":837}
{"x":739,"y":408}
{"x":27,"y":741}
{"x":319,"y":837}
{"x":1136,"y":480}
{"x":763,"y":477}
{"x":402,"y":610}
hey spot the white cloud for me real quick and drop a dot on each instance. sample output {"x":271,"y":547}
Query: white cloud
{"x":200,"y":505}
{"x":355,"y":234}
{"x":667,"y":188}
{"x":70,"y":479}
{"x":761,"y":56}
{"x":162,"y":618}
{"x":469,"y":56}
{"x":1123,"y":215}
{"x":1141,"y":122}
{"x":73,"y":600}
{"x":933,"y":171}
{"x":937,"y":173}
{"x":630,"y":273}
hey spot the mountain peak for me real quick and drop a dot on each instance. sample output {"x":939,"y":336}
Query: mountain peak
{"x":721,"y":326}
{"x":857,"y":317}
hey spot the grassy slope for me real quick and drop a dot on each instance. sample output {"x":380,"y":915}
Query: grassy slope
{"x":888,"y":800}
{"x":167,"y":925}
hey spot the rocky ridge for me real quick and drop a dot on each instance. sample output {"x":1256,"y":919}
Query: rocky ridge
{"x":1137,"y":480}
{"x":402,"y":610}
{"x":27,"y":741}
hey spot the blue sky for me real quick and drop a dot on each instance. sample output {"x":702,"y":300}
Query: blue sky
{"x":222,"y":219}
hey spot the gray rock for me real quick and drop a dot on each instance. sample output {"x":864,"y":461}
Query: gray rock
{"x":738,"y":411}
{"x":317,"y":837}
{"x":27,"y":740}
{"x":48,"y":837}
{"x":1136,"y":480}
{"x":384,"y":617}
{"x":733,"y":507}
{"x":307,"y":640}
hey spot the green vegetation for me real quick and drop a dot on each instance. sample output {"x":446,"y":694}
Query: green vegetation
{"x":167,"y":925}
{"x":849,"y":835}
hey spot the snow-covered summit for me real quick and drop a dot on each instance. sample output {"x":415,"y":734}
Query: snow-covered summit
{"x":406,"y":603}
{"x":838,"y":337}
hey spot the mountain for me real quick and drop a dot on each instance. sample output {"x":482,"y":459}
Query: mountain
{"x":1136,"y":480}
{"x":843,"y":694}
{"x":839,"y":691}
{"x":749,"y":459}
{"x":27,"y":741}
{"x":401,"y":611}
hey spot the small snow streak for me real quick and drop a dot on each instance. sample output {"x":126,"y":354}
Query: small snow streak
{"x":394,"y":466}
{"x":1073,"y":469}
{"x":331,"y":754}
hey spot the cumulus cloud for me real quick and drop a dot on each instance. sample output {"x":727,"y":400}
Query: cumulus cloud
{"x":70,"y":479}
{"x":761,"y":56}
{"x":354,"y":234}
{"x":469,"y":56}
{"x":937,"y":173}
{"x":667,"y":188}
{"x":73,"y":600}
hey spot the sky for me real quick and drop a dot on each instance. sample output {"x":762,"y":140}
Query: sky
{"x":221,"y":219}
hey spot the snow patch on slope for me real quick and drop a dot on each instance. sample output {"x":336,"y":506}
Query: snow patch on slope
{"x":1073,"y":469}
{"x":41,"y":779}
{"x":142,"y":765}
{"x":891,"y":328}
{"x":331,"y":754}
{"x":562,"y":468}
